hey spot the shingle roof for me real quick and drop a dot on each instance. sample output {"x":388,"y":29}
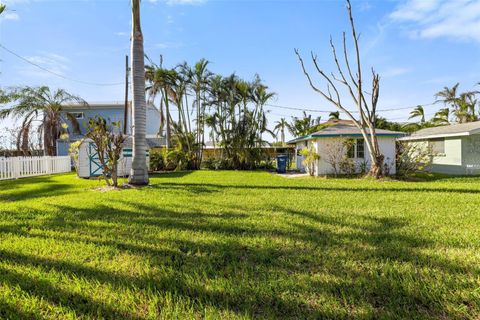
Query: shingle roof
{"x":461,"y":129}
{"x":344,"y":130}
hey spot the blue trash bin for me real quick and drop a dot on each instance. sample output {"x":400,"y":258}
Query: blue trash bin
{"x":282,"y":163}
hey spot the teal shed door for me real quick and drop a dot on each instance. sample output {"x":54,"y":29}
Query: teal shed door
{"x":96,"y":168}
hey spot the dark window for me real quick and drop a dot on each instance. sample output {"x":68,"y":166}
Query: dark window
{"x":360,"y":148}
{"x":77,"y":115}
{"x":356,"y":149}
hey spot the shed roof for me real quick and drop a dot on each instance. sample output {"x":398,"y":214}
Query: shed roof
{"x":344,"y":130}
{"x":453,"y":130}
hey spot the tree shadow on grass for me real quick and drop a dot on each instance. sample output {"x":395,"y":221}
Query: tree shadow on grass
{"x":218,"y":187}
{"x":258,"y":275}
{"x":33,"y":188}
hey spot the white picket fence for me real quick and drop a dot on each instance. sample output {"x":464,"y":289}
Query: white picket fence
{"x":21,"y":167}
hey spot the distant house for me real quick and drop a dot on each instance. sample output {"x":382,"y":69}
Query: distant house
{"x":111,"y":111}
{"x":455,"y":148}
{"x":336,"y":133}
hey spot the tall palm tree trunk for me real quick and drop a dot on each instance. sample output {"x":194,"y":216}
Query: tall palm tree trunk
{"x":139,"y":172}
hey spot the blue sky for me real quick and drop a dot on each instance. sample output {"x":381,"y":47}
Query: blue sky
{"x":417,"y":46}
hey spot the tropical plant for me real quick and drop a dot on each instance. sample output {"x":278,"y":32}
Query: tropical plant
{"x":441,"y":117}
{"x":108,"y":140}
{"x":240,"y":120}
{"x":412,"y":157}
{"x":350,"y":76}
{"x":418,"y":111}
{"x":139,"y":172}
{"x":311,"y":157}
{"x":462,"y":105}
{"x":303,"y":126}
{"x":73,"y":151}
{"x":335,"y":152}
{"x":160,"y":82}
{"x":333,"y":116}
{"x":280,"y":127}
{"x":32,"y":103}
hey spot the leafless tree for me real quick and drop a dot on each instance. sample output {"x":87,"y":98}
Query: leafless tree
{"x":335,"y":151}
{"x":349,"y":76}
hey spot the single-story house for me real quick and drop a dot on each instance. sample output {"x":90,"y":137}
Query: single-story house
{"x":112,"y":112}
{"x":331,"y":140}
{"x":455,"y":148}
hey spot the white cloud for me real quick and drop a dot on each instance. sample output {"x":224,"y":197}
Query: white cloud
{"x":122,"y":34}
{"x":50,"y":61}
{"x":9,"y":16}
{"x":459,"y":19}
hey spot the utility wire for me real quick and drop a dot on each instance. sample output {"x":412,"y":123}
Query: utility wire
{"x":58,"y":74}
{"x":354,"y":111}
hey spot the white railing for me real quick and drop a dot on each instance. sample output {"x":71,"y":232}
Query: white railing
{"x":20,"y":167}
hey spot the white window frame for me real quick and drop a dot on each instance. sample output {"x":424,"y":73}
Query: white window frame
{"x":355,"y":149}
{"x":78,"y":115}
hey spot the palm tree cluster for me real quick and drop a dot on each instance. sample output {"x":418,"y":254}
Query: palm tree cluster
{"x":30,"y":104}
{"x":458,"y":108}
{"x":228,"y":111}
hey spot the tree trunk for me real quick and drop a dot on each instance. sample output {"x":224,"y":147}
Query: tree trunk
{"x":138,"y":173}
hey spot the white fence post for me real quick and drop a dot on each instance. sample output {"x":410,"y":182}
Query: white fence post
{"x":19,"y":167}
{"x":16,"y":164}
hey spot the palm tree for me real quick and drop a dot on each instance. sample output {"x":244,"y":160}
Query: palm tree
{"x":418,"y":111}
{"x":462,"y":105}
{"x":29,"y":103}
{"x":280,"y":127}
{"x":199,"y":79}
{"x":139,"y":172}
{"x":441,"y":117}
{"x":334,"y":116}
{"x":160,"y":82}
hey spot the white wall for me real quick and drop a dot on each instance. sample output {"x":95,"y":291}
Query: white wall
{"x":386,"y":144}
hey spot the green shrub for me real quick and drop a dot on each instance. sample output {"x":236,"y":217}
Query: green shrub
{"x":311,"y":157}
{"x":156,"y":160}
{"x":73,"y":151}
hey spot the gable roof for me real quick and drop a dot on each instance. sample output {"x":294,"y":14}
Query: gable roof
{"x":344,"y":130}
{"x":453,"y":130}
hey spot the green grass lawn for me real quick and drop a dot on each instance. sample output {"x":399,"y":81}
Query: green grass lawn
{"x":240,"y":245}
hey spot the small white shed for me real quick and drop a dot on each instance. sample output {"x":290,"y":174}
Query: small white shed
{"x":89,"y":165}
{"x":324,"y":141}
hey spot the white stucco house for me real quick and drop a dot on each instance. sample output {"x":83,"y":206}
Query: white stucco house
{"x":455,"y":148}
{"x":325,"y":140}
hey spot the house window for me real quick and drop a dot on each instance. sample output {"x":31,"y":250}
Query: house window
{"x":77,"y":115}
{"x":356,"y":149}
{"x":437,"y":146}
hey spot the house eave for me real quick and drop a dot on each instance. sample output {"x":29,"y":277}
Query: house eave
{"x":354,"y":135}
{"x":434,"y":136}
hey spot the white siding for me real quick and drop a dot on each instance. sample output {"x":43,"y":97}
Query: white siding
{"x":386,"y":144}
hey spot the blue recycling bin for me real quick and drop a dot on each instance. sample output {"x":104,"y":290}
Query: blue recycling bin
{"x":282,"y":163}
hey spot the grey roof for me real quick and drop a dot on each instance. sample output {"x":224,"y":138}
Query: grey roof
{"x":344,"y":130}
{"x":156,"y":142}
{"x":461,"y":129}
